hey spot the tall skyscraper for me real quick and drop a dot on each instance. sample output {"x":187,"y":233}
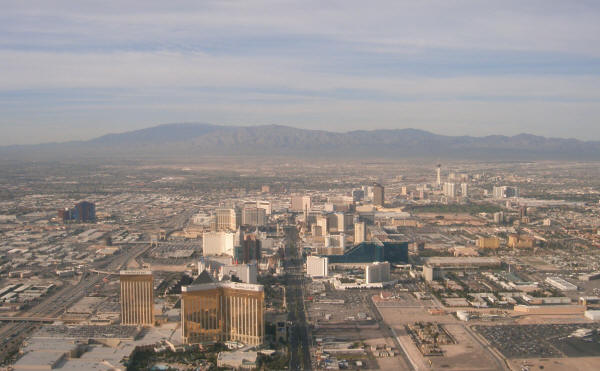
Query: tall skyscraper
{"x":226,"y":220}
{"x":223,"y":311}
{"x":266,"y":205}
{"x":82,"y":212}
{"x":246,"y":273}
{"x":464,"y":189}
{"x":450,"y":189}
{"x":505,"y":192}
{"x":439,"y":176}
{"x":522,"y":212}
{"x":377,"y":272}
{"x":254,"y":216}
{"x":218,"y":243}
{"x":358,"y":195}
{"x":300,"y":203}
{"x":137,"y":297}
{"x":360,"y":232}
{"x":378,"y":194}
{"x":316,"y":266}
{"x":368,"y":190}
{"x":323,"y":224}
{"x":249,"y":249}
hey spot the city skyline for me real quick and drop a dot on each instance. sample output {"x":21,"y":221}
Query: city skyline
{"x":72,"y":72}
{"x":314,"y":185}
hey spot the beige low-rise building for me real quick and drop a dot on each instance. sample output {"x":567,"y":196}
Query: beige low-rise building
{"x":516,"y":241}
{"x":488,"y":242}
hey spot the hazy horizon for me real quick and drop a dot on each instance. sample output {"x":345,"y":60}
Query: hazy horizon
{"x":258,"y":125}
{"x":75,"y":71}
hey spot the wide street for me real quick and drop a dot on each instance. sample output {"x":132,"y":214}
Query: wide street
{"x":299,"y":332}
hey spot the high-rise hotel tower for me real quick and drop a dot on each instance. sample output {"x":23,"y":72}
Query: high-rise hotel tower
{"x":137,"y":297}
{"x":223,"y":311}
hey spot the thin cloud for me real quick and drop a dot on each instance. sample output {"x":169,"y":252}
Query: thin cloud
{"x":451,"y":67}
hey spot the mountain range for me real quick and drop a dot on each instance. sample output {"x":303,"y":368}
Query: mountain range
{"x":192,"y":140}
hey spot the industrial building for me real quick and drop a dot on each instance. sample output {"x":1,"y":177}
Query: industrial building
{"x":434,"y":267}
{"x":561,"y":284}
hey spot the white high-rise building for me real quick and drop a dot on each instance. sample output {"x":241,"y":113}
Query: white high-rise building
{"x":300,"y":203}
{"x":322,"y":222}
{"x":247,"y":273}
{"x":218,"y":243}
{"x":464,"y":189}
{"x":340,"y":222}
{"x":368,"y":190}
{"x":439,"y":176}
{"x":316,"y":266}
{"x":360,"y":232}
{"x":377,"y":272}
{"x":505,"y":192}
{"x":450,"y":189}
{"x":264,"y":205}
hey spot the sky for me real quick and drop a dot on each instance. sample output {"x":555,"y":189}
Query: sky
{"x":76,"y":69}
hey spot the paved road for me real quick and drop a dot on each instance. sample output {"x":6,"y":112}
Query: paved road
{"x":299,"y":331}
{"x":13,"y":334}
{"x":501,"y":365}
{"x":407,"y":364}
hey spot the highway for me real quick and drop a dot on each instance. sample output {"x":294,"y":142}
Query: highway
{"x":27,"y":319}
{"x":13,"y":334}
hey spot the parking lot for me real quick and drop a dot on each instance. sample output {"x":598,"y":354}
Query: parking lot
{"x":541,"y":341}
{"x":347,"y":307}
{"x":347,"y":316}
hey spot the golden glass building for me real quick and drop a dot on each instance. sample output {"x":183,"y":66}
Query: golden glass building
{"x":137,"y":297}
{"x":223,"y":311}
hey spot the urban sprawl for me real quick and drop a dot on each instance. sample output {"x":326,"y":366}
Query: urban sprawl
{"x":264,"y":264}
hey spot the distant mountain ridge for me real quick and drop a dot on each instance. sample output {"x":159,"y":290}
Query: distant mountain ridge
{"x":193,"y":140}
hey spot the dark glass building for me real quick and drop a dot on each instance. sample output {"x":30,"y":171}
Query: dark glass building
{"x":368,"y":252}
{"x":248,"y":250}
{"x":82,"y":212}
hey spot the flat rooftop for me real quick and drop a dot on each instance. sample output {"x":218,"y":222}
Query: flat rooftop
{"x":136,"y":272}
{"x":462,"y":261}
{"x":227,"y":284}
